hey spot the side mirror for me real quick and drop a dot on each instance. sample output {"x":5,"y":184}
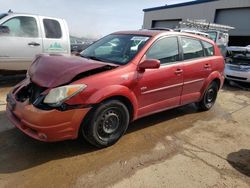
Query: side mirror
{"x":149,"y":64}
{"x":4,"y":29}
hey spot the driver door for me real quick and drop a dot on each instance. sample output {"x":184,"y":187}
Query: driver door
{"x":160,"y":89}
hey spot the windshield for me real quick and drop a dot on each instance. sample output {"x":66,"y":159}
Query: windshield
{"x":117,"y":49}
{"x":2,"y":15}
{"x":212,"y":35}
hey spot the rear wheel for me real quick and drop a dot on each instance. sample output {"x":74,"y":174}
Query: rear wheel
{"x":106,"y":124}
{"x":209,"y":97}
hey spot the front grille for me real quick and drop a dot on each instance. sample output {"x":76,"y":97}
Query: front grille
{"x":31,"y":92}
{"x":236,"y":77}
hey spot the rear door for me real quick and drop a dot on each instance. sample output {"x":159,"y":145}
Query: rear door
{"x":160,"y":89}
{"x":55,"y":36}
{"x":196,"y":67}
{"x":21,"y":44}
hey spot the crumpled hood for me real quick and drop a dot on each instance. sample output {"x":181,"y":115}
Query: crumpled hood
{"x":51,"y":71}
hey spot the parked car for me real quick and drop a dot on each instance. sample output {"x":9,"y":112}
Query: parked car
{"x":22,"y":36}
{"x":98,"y":94}
{"x":78,"y":45}
{"x":238,"y":64}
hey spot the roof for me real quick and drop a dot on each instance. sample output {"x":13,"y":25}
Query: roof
{"x":178,"y":5}
{"x":144,"y":32}
{"x":28,"y":14}
{"x":153,"y":33}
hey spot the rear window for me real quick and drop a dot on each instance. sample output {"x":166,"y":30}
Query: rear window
{"x":192,"y":48}
{"x":52,"y":29}
{"x":209,"y":48}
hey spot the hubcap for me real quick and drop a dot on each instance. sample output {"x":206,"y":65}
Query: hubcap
{"x":210,"y":95}
{"x":110,"y":122}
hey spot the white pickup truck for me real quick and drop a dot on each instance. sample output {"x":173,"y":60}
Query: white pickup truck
{"x":22,"y":36}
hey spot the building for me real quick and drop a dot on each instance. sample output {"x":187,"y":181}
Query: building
{"x":234,"y":13}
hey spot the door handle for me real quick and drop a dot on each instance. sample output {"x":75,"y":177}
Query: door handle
{"x":33,"y":44}
{"x":178,"y":71}
{"x":207,"y":66}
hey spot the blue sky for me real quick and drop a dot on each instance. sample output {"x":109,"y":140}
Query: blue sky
{"x":89,"y":18}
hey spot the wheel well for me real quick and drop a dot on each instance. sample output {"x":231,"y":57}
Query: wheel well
{"x":125,"y":101}
{"x":217,"y":81}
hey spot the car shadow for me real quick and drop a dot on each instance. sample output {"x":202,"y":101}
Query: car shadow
{"x":10,"y":80}
{"x":236,"y":86}
{"x":20,"y":152}
{"x":240,"y":160}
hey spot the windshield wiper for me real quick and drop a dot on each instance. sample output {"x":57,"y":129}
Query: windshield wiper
{"x":92,"y":57}
{"x":102,"y":60}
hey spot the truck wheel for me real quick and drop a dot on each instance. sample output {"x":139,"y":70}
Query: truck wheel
{"x":106,"y":124}
{"x":209,"y":97}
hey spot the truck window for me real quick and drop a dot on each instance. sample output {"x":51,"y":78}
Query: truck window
{"x":212,"y":35}
{"x":52,"y":29}
{"x":22,"y":26}
{"x":2,"y":15}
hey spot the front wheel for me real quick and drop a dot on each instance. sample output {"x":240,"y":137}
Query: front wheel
{"x":209,"y":97}
{"x":106,"y":124}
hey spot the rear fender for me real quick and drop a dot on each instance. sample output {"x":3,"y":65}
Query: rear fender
{"x":214,"y":75}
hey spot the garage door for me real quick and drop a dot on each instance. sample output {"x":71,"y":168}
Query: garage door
{"x":166,"y":23}
{"x":238,"y":18}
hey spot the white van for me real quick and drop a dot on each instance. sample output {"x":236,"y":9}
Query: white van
{"x":22,"y":36}
{"x":221,"y":39}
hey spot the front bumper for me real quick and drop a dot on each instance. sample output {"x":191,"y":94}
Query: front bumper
{"x":237,"y":75}
{"x":45,"y":125}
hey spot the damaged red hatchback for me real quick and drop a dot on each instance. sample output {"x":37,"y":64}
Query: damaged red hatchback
{"x":120,"y":78}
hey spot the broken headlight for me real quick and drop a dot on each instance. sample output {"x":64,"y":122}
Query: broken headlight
{"x":58,"y":95}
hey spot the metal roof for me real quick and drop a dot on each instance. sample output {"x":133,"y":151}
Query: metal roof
{"x":178,"y":5}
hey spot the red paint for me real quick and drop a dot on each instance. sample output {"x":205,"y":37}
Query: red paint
{"x":51,"y":71}
{"x":149,"y":91}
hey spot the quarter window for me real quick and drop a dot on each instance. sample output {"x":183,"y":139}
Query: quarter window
{"x":192,"y":48}
{"x":209,"y":48}
{"x":166,"y":50}
{"x":52,"y":29}
{"x":22,"y":26}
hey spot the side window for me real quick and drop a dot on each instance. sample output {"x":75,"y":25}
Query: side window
{"x":209,"y":48}
{"x":22,"y":26}
{"x":192,"y":48}
{"x":52,"y":29}
{"x":166,"y":50}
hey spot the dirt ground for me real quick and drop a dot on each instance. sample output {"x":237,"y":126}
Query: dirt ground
{"x":177,"y":148}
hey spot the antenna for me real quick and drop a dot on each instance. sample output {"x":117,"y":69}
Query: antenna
{"x":10,"y":11}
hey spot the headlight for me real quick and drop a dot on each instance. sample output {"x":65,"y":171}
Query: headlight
{"x":58,"y":95}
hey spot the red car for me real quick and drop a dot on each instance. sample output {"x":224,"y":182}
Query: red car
{"x":118,"y":79}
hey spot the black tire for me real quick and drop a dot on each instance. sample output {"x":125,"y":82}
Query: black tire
{"x":106,"y":124}
{"x":209,"y":97}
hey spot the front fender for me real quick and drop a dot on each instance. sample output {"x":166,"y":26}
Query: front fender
{"x":112,"y":91}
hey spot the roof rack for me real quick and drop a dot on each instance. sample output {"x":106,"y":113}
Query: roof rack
{"x":161,"y":29}
{"x":202,"y":25}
